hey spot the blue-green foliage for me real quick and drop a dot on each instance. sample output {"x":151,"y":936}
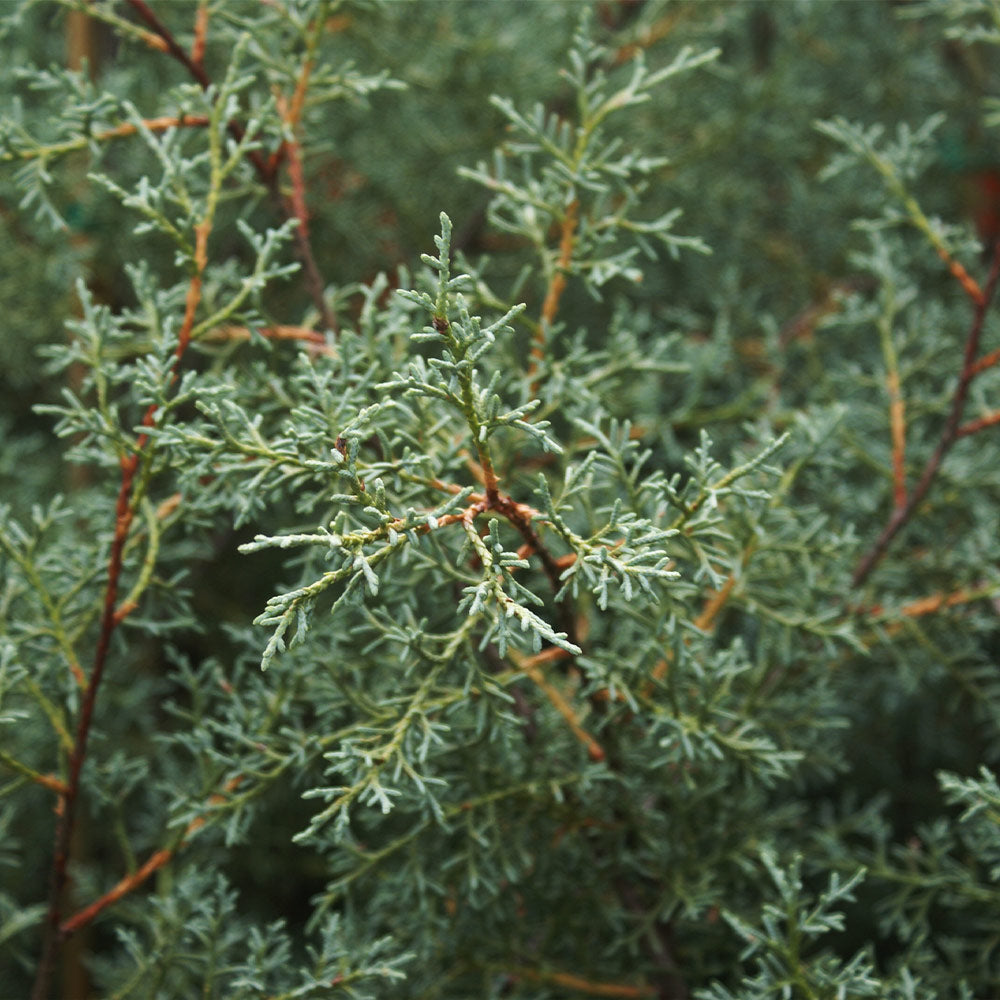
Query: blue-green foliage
{"x":550,"y":550}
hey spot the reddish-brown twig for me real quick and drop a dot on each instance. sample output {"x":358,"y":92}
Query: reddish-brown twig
{"x":110,"y":619}
{"x":897,"y":425}
{"x":200,"y":34}
{"x":266,"y":170}
{"x":197,"y":71}
{"x":531,"y":665}
{"x":705,"y":620}
{"x":296,"y":207}
{"x":969,"y":284}
{"x":557,"y":285}
{"x":152,"y":864}
{"x":949,"y":435}
{"x":580,"y":984}
{"x":937,"y":602}
{"x":315,"y":342}
{"x":986,"y":361}
{"x":49,"y":781}
{"x":980,"y":423}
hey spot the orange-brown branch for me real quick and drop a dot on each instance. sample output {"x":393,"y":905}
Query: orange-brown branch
{"x":557,"y":284}
{"x":155,"y":861}
{"x":49,"y":781}
{"x":110,"y":619}
{"x":579,"y":984}
{"x":952,"y":430}
{"x":897,"y":425}
{"x":969,"y":284}
{"x":123,"y":888}
{"x":154,"y":125}
{"x":928,"y":605}
{"x":294,"y":115}
{"x":705,"y":621}
{"x":974,"y":426}
{"x":290,"y":149}
{"x":986,"y":361}
{"x":200,"y":34}
{"x":531,"y":665}
{"x":315,"y":341}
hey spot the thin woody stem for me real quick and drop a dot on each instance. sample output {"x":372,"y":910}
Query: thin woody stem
{"x":705,"y":620}
{"x":315,"y":342}
{"x":579,"y":984}
{"x":897,"y":413}
{"x":931,"y":604}
{"x":45,"y":780}
{"x":152,"y":864}
{"x":949,"y":435}
{"x":986,"y":361}
{"x":980,"y":423}
{"x":200,"y":34}
{"x":110,"y":619}
{"x":173,"y":47}
{"x":959,"y":273}
{"x":897,"y":422}
{"x":295,"y":203}
{"x":557,"y":285}
{"x":122,"y":131}
{"x":197,"y":71}
{"x":531,"y":665}
{"x":266,"y":171}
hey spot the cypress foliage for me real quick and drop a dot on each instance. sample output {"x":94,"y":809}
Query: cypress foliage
{"x":500,"y":499}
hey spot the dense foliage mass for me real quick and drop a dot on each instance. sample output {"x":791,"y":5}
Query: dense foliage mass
{"x":500,"y":499}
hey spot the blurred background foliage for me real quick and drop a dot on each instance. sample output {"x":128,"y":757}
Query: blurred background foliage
{"x":745,"y":164}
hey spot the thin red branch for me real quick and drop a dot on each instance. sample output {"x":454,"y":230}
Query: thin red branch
{"x":172,"y":46}
{"x":299,"y":97}
{"x":897,"y":424}
{"x":986,"y":361}
{"x":557,"y":284}
{"x":715,"y":602}
{"x":292,"y":114}
{"x":266,"y":169}
{"x":929,"y":605}
{"x":316,"y":343}
{"x":949,"y":434}
{"x":154,"y":125}
{"x":200,"y":35}
{"x":974,"y":426}
{"x":580,"y":984}
{"x":204,"y":80}
{"x":124,"y":514}
{"x":297,"y":199}
{"x":49,"y":781}
{"x":295,"y":206}
{"x":531,"y":665}
{"x":155,"y":862}
{"x":969,"y":284}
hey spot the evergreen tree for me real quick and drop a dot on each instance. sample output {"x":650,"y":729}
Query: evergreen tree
{"x":499,"y":499}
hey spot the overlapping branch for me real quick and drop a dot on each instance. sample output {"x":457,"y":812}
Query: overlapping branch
{"x":293,"y":206}
{"x":111,"y":618}
{"x":972,"y":364}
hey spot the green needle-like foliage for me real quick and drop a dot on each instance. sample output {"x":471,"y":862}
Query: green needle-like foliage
{"x":499,"y":500}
